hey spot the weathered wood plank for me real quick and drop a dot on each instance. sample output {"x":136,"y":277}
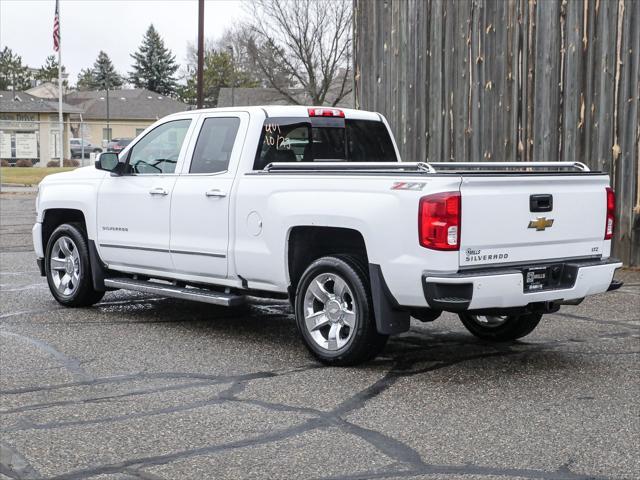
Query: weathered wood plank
{"x":547,"y":79}
{"x":573,"y":83}
{"x":604,"y":72}
{"x":435,"y":84}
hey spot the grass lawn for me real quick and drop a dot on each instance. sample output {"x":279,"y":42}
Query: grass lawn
{"x":28,"y":175}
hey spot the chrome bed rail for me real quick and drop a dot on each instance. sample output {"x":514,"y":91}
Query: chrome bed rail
{"x":424,"y":167}
{"x":510,"y":166}
{"x":350,"y":166}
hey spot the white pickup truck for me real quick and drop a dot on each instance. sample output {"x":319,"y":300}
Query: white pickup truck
{"x":314,"y":204}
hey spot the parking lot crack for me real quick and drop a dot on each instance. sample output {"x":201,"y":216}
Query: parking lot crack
{"x":14,"y":465}
{"x":72,"y":365}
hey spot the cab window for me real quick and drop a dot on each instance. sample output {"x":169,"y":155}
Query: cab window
{"x":214,"y":145}
{"x":284,"y":142}
{"x":324,"y":140}
{"x":158,"y":151}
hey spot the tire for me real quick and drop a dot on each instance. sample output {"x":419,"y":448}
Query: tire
{"x":500,"y":328}
{"x":68,"y":268}
{"x":336,"y":321}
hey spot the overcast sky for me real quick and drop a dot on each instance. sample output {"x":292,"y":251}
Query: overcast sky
{"x":115,"y":26}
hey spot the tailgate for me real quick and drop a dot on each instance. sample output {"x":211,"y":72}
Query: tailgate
{"x":532,"y":218}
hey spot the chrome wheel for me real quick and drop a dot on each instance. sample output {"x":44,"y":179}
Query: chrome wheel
{"x":65,"y":268}
{"x":490,"y":321}
{"x":329,"y":311}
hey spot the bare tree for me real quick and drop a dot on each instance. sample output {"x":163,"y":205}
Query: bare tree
{"x":304,"y":42}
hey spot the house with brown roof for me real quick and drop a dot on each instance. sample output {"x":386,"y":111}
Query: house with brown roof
{"x":119,"y":113}
{"x":29,"y":128}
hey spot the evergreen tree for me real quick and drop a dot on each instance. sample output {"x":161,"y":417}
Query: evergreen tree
{"x":105,"y":74}
{"x":13,"y":74}
{"x":86,"y":80}
{"x":154,"y":65}
{"x":49,"y":71}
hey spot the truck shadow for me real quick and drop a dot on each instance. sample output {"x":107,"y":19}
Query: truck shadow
{"x":269,"y":325}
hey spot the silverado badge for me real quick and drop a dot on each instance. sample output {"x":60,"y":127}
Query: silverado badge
{"x":541,"y":223}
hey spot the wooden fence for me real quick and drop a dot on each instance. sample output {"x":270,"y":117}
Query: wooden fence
{"x":510,"y":80}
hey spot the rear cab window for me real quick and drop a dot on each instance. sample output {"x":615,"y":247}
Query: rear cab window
{"x":323,"y":139}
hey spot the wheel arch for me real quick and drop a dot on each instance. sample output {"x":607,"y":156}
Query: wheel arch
{"x":308,"y":243}
{"x":53,"y":218}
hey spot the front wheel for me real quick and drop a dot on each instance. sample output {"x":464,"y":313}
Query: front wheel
{"x":68,"y":269}
{"x":500,"y":328}
{"x":334,"y":312}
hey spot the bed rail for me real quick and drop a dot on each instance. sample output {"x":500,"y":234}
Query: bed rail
{"x":349,"y":166}
{"x":423,"y":167}
{"x":510,"y":166}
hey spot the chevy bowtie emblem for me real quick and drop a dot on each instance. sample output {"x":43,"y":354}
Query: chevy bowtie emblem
{"x":541,"y":223}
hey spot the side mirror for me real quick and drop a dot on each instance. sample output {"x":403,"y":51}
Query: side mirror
{"x":107,"y":161}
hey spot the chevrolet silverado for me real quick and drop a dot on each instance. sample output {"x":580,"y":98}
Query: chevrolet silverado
{"x":314,"y":204}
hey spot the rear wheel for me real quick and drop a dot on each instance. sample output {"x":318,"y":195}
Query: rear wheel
{"x":500,"y":328}
{"x":334,"y":313}
{"x":68,"y":269}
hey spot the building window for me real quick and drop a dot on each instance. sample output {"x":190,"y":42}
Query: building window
{"x":106,"y":134}
{"x":139,"y":131}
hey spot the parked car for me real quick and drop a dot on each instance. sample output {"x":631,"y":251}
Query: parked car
{"x":117,"y":144}
{"x":76,"y":146}
{"x":314,"y":204}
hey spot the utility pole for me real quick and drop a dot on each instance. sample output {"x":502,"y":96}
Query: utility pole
{"x":81,"y":135}
{"x":233,"y":76}
{"x":200,"y":73}
{"x":108,"y":127}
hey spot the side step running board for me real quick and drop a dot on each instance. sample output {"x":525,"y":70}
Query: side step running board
{"x":167,"y":290}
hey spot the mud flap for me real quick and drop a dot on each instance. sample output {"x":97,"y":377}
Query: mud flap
{"x":390,"y":319}
{"x":98,"y":270}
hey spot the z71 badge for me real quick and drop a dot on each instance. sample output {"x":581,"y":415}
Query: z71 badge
{"x":408,"y":186}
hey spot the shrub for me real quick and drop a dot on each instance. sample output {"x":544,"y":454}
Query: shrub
{"x":65,"y":163}
{"x":4,"y":163}
{"x":23,"y":162}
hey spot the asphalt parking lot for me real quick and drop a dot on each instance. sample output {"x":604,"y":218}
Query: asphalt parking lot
{"x":140,"y":387}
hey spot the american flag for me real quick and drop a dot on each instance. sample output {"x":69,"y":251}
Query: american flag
{"x":56,"y":29}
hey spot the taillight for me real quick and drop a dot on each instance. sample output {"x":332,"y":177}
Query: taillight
{"x":325,"y":112}
{"x":439,"y":221}
{"x":611,"y":212}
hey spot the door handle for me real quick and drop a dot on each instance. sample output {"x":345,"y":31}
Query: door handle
{"x":158,"y":191}
{"x":214,"y":192}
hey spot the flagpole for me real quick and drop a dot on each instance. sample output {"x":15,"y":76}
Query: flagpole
{"x":60,"y":122}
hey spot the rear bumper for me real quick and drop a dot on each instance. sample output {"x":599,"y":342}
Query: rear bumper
{"x":504,"y":287}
